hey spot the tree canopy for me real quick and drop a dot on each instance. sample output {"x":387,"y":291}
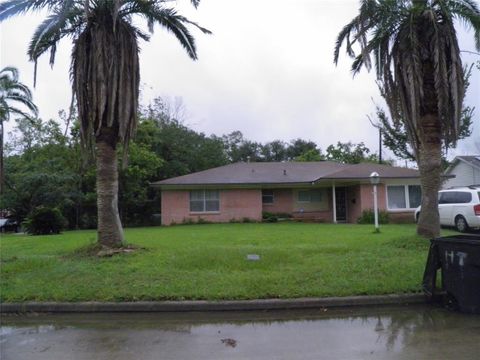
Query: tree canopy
{"x":45,"y":167}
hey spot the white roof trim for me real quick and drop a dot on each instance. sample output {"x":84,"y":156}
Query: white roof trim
{"x":460,"y":158}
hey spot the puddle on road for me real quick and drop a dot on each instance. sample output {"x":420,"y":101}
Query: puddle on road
{"x":415,"y":332}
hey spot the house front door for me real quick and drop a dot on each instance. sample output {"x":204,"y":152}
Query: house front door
{"x":341,"y":203}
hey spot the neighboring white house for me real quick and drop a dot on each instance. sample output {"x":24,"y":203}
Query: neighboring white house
{"x":466,"y":170}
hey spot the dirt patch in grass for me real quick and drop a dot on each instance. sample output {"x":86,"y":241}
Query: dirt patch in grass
{"x":97,"y":250}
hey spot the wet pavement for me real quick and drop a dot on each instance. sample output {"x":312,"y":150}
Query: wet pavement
{"x":414,"y":332}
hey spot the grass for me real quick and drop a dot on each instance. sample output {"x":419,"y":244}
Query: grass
{"x":209,"y":262}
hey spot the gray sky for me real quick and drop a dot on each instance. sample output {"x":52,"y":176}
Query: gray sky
{"x":267,"y":71}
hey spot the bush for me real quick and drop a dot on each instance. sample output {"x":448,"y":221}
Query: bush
{"x":188,"y":221}
{"x":274,"y":217}
{"x":202,"y":221}
{"x":44,"y":221}
{"x":88,"y":221}
{"x":269,"y":217}
{"x":368,"y":217}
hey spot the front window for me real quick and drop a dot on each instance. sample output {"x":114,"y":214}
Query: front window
{"x":401,"y":197}
{"x":314,"y":196}
{"x":267,"y":196}
{"x":204,"y":201}
{"x":414,"y":195}
{"x":303,"y":196}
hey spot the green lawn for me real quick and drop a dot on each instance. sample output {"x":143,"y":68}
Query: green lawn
{"x":209,"y":262}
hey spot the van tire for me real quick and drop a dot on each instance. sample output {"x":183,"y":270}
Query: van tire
{"x":461,"y":224}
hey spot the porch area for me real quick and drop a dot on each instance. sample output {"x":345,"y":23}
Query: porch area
{"x":336,"y":203}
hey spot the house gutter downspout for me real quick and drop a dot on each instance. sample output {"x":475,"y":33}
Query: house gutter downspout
{"x":334,"y":203}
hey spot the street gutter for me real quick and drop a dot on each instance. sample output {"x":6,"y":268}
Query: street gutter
{"x":223,"y":305}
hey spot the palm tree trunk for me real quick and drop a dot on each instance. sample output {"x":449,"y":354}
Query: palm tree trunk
{"x":429,"y":160}
{"x":110,"y":232}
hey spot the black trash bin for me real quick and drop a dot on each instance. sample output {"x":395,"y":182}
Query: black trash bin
{"x":459,"y":258}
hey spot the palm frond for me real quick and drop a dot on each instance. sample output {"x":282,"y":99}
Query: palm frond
{"x":105,"y":79}
{"x":195,"y":3}
{"x":343,"y":36}
{"x":417,"y":59}
{"x":24,"y":101}
{"x":11,"y":8}
{"x":21,"y":113}
{"x":52,"y":29}
{"x":9,"y":73}
{"x":13,"y":91}
{"x":171,"y":21}
{"x":155,"y":13}
{"x":467,"y":12}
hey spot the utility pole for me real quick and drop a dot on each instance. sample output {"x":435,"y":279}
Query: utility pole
{"x":380,"y":160}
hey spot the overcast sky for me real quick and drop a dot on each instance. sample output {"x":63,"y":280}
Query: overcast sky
{"x":267,"y":71}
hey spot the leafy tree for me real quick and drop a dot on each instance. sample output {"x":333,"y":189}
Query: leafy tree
{"x":12,"y":94}
{"x":105,"y":76}
{"x":298,"y":147}
{"x":33,"y":134}
{"x":274,"y":151}
{"x":350,"y":153}
{"x":45,"y":168}
{"x":136,"y":201}
{"x":394,"y":135}
{"x":311,"y":155}
{"x":419,"y":71}
{"x":41,"y":173}
{"x":182,"y":150}
{"x":238,"y":148}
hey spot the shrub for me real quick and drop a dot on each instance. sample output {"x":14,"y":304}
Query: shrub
{"x":188,"y":221}
{"x":88,"y":221}
{"x":202,"y":221}
{"x":368,"y":217}
{"x":269,"y":217}
{"x":44,"y":221}
{"x":274,"y":217}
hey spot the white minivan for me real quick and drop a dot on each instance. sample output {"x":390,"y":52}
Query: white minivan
{"x":458,"y":207}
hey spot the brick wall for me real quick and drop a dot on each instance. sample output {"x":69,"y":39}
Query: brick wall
{"x":235,"y":204}
{"x":282,"y":202}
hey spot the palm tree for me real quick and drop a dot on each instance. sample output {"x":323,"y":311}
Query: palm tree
{"x":12,"y":92}
{"x":419,"y":71}
{"x":105,"y":76}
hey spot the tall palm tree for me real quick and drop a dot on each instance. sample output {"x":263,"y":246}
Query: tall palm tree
{"x":12,"y":94}
{"x":415,"y":51}
{"x":105,"y":76}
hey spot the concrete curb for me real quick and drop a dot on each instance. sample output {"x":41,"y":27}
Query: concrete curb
{"x":231,"y":305}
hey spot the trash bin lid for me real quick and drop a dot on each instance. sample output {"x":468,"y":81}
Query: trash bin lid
{"x":458,"y":239}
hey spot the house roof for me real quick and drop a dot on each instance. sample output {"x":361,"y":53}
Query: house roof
{"x":282,"y":173}
{"x":472,"y":160}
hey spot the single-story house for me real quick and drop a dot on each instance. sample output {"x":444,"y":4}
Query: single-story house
{"x":321,"y":191}
{"x":464,"y":171}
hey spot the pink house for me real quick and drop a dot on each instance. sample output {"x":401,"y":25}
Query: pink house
{"x":320,"y":191}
